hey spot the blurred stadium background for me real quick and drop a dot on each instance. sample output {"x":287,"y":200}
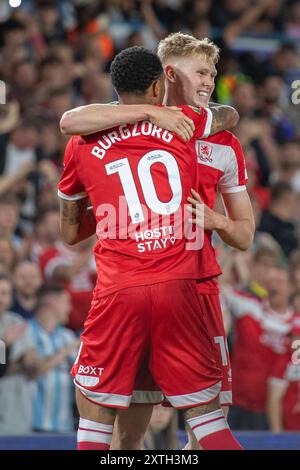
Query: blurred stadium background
{"x":55,"y":55}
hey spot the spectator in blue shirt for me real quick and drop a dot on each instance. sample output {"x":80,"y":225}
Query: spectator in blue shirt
{"x":56,"y":348}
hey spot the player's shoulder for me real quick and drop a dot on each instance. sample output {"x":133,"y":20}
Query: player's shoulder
{"x":82,"y":140}
{"x":192,"y":111}
{"x":224,"y":138}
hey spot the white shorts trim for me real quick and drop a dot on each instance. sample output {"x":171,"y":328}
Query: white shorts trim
{"x":196,"y":398}
{"x":225,"y":398}
{"x":108,"y":399}
{"x":143,"y":396}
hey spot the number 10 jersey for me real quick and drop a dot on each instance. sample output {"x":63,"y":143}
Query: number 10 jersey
{"x":138,"y":178}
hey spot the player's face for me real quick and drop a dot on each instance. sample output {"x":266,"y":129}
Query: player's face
{"x":194,"y":80}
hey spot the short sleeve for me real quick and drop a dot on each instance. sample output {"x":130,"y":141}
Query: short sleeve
{"x":202,"y":118}
{"x":234,"y":178}
{"x":70,"y":186}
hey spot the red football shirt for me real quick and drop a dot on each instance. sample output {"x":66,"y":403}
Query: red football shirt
{"x":221,"y":168}
{"x":138,"y":178}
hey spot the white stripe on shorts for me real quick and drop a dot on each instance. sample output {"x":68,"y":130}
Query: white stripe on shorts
{"x":110,"y":399}
{"x":225,"y":398}
{"x":196,"y":398}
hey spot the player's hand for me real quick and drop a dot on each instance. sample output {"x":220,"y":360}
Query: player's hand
{"x":174,"y":120}
{"x":202,"y":215}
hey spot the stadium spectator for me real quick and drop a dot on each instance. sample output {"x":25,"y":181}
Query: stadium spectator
{"x":292,"y":26}
{"x":73,"y":268}
{"x":15,"y":399}
{"x":56,"y":346}
{"x":283,"y":388}
{"x":295,"y":270}
{"x":8,"y":256}
{"x":9,"y":217}
{"x":289,"y":165}
{"x":278,"y":220}
{"x":260,"y":340}
{"x":46,"y":232}
{"x":27,"y":279}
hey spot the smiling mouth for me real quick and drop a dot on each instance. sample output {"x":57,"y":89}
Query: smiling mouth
{"x":203,"y":93}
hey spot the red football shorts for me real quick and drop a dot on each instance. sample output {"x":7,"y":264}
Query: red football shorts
{"x":209,"y":299}
{"x":158,"y":326}
{"x":146,"y":390}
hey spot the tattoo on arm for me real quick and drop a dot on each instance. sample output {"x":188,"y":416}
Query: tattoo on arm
{"x":222,"y":118}
{"x":72,"y":211}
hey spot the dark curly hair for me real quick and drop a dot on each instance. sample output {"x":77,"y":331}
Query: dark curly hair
{"x":133,"y":70}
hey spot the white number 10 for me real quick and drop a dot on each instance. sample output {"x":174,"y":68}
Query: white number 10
{"x":122,"y":167}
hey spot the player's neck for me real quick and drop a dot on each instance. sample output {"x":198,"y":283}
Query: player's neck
{"x":170,"y":99}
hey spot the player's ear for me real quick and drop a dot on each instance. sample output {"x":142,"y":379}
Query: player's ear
{"x":156,"y":88}
{"x":170,"y":73}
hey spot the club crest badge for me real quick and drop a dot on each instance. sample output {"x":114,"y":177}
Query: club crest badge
{"x":204,"y":152}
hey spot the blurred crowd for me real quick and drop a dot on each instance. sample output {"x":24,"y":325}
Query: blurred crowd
{"x":55,"y":55}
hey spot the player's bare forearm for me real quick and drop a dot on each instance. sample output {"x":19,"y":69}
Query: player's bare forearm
{"x":98,"y":117}
{"x":236,"y":230}
{"x":223,"y":117}
{"x":92,"y":118}
{"x":236,"y":233}
{"x":77,"y":221}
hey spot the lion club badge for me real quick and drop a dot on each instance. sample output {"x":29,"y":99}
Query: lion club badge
{"x":204,"y":151}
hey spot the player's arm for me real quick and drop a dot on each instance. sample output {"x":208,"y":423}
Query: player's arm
{"x":92,"y":118}
{"x":276,"y":391}
{"x":236,"y":228}
{"x":77,"y":221}
{"x":212,"y":119}
{"x":223,"y":117}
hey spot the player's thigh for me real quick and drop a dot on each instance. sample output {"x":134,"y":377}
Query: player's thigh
{"x":93,"y":412}
{"x":182,"y":361}
{"x":130,"y":427}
